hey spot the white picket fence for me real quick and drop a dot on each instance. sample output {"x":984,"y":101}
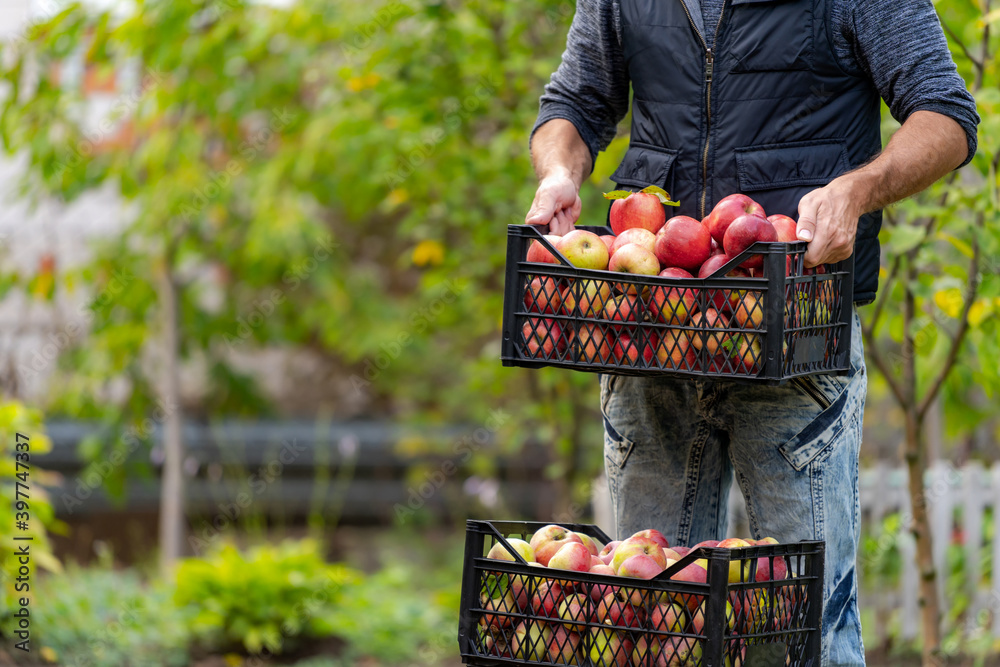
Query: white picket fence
{"x":956,"y":498}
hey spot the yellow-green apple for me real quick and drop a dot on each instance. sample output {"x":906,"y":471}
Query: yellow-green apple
{"x":672,"y":348}
{"x":637,"y":235}
{"x":671,"y":554}
{"x":575,"y":611}
{"x":743,"y":233}
{"x":738,"y":569}
{"x":546,"y":599}
{"x":654,"y":535}
{"x":647,"y":651}
{"x":608,"y":552}
{"x":672,"y":305}
{"x":543,"y":337}
{"x":767,"y":540}
{"x":784,"y":227}
{"x":636,"y":545}
{"x":639,"y":209}
{"x":518,"y":585}
{"x":622,"y":309}
{"x":615,"y":608}
{"x":698,"y":618}
{"x":584,"y":250}
{"x":633,"y":259}
{"x":539,"y":253}
{"x":593,"y":547}
{"x":592,"y":344}
{"x":608,"y":647}
{"x":703,"y":339}
{"x":549,"y":539}
{"x":680,"y":652}
{"x":667,"y":617}
{"x":736,"y":653}
{"x":748,"y":310}
{"x":543,"y":296}
{"x":609,"y":241}
{"x":504,"y":604}
{"x":748,"y":353}
{"x":531,"y":641}
{"x":563,"y":646}
{"x":593,"y":295}
{"x":683,"y":242}
{"x":749,"y":609}
{"x":729,"y":209}
{"x":523,"y":549}
{"x":573,"y":557}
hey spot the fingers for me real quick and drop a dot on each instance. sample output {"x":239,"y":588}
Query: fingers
{"x":562,"y":224}
{"x":542,"y":209}
{"x":808,"y":210}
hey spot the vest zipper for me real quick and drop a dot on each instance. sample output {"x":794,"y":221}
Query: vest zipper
{"x":709,"y":70}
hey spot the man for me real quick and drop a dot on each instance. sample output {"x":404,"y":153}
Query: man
{"x":778,"y":99}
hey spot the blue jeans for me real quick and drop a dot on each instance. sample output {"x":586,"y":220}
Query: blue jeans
{"x":672,"y":446}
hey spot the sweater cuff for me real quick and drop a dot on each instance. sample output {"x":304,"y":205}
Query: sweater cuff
{"x":552,"y":110}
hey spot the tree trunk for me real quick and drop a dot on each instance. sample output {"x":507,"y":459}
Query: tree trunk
{"x":172,"y":483}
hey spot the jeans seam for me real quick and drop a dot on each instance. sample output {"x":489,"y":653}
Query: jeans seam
{"x":691,"y":481}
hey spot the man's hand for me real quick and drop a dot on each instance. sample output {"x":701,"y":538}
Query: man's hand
{"x":557,"y":204}
{"x":828,"y":220}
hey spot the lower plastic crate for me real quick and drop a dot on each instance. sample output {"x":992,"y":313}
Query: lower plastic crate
{"x":513,"y":613}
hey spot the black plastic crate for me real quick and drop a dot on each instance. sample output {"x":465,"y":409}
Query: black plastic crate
{"x":778,"y":325}
{"x":772,"y":623}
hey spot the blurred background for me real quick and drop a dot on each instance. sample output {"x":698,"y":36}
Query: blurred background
{"x":251,"y":269}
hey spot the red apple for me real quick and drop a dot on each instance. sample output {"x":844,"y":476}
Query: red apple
{"x":531,"y":641}
{"x":722,"y":298}
{"x":584,"y":250}
{"x":505,"y":604}
{"x":539,"y":253}
{"x":608,"y":647}
{"x":543,"y":296}
{"x":672,"y":305}
{"x":564,"y":646}
{"x":681,"y":551}
{"x":748,"y":354}
{"x":680,"y":652}
{"x":615,"y":609}
{"x":546,"y":599}
{"x":640,"y":566}
{"x":654,"y":535}
{"x":549,"y":539}
{"x":591,"y":344}
{"x":637,"y":235}
{"x":622,"y":309}
{"x":706,"y":543}
{"x":683,"y":242}
{"x":693,"y":573}
{"x":574,"y":557}
{"x":636,"y":545}
{"x":640,"y":209}
{"x":575,"y":610}
{"x":608,"y":552}
{"x":784,"y":227}
{"x":716,"y":248}
{"x":703,"y":339}
{"x":672,"y":348}
{"x":748,"y":311}
{"x":743,"y":233}
{"x":544,"y":337}
{"x":727,"y":210}
{"x":633,"y":258}
{"x":609,"y":241}
{"x":668,"y":617}
{"x":626,"y":350}
{"x":594,"y":294}
{"x":599,"y":591}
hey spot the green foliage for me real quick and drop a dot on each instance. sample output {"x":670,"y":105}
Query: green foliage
{"x":16,"y":419}
{"x":101,"y":616}
{"x":270,"y":597}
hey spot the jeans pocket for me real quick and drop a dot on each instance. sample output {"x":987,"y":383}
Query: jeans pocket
{"x":819,"y":436}
{"x":617,"y":448}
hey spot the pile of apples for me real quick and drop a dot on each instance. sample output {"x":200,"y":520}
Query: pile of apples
{"x":547,"y":619}
{"x":646,"y":243}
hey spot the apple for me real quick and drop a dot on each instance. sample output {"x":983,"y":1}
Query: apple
{"x":584,"y":250}
{"x":680,"y":652}
{"x":672,"y":305}
{"x":531,"y":641}
{"x":698,"y":618}
{"x":636,"y":545}
{"x":595,"y":561}
{"x":640,"y":566}
{"x":681,"y":551}
{"x":540,"y":254}
{"x":543,"y":337}
{"x":574,"y":557}
{"x":672,"y":348}
{"x":784,"y":227}
{"x":563,"y":646}
{"x":608,"y":552}
{"x":599,"y":591}
{"x":743,"y":233}
{"x":654,"y":535}
{"x":748,"y":311}
{"x":693,"y":573}
{"x":523,"y":549}
{"x":615,"y":608}
{"x":669,"y":617}
{"x":574,"y":611}
{"x":626,"y":350}
{"x":505,"y":604}
{"x":626,"y":308}
{"x":647,"y":651}
{"x":639,"y":209}
{"x":738,"y":569}
{"x":727,"y":210}
{"x":549,"y":539}
{"x":593,"y":295}
{"x":637,"y":235}
{"x":706,"y":543}
{"x":722,"y":298}
{"x":610,"y":648}
{"x":716,"y":248}
{"x":632,"y":258}
{"x":670,"y":554}
{"x":546,"y":599}
{"x":543,"y":296}
{"x":709,"y":319}
{"x":496,"y":645}
{"x":767,"y":540}
{"x":592,"y":345}
{"x":609,"y":241}
{"x":748,"y":354}
{"x":589,"y":542}
{"x":683,"y":242}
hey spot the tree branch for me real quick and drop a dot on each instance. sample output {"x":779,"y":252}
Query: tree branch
{"x":972,"y":288}
{"x":875,"y":354}
{"x":976,"y":62}
{"x":883,"y":296}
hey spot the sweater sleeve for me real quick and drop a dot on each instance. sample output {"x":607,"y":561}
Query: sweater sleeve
{"x":902,"y":48}
{"x":590,"y":87}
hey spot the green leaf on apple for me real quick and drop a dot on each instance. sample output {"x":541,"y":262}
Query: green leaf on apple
{"x":661,"y":194}
{"x":618,"y":194}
